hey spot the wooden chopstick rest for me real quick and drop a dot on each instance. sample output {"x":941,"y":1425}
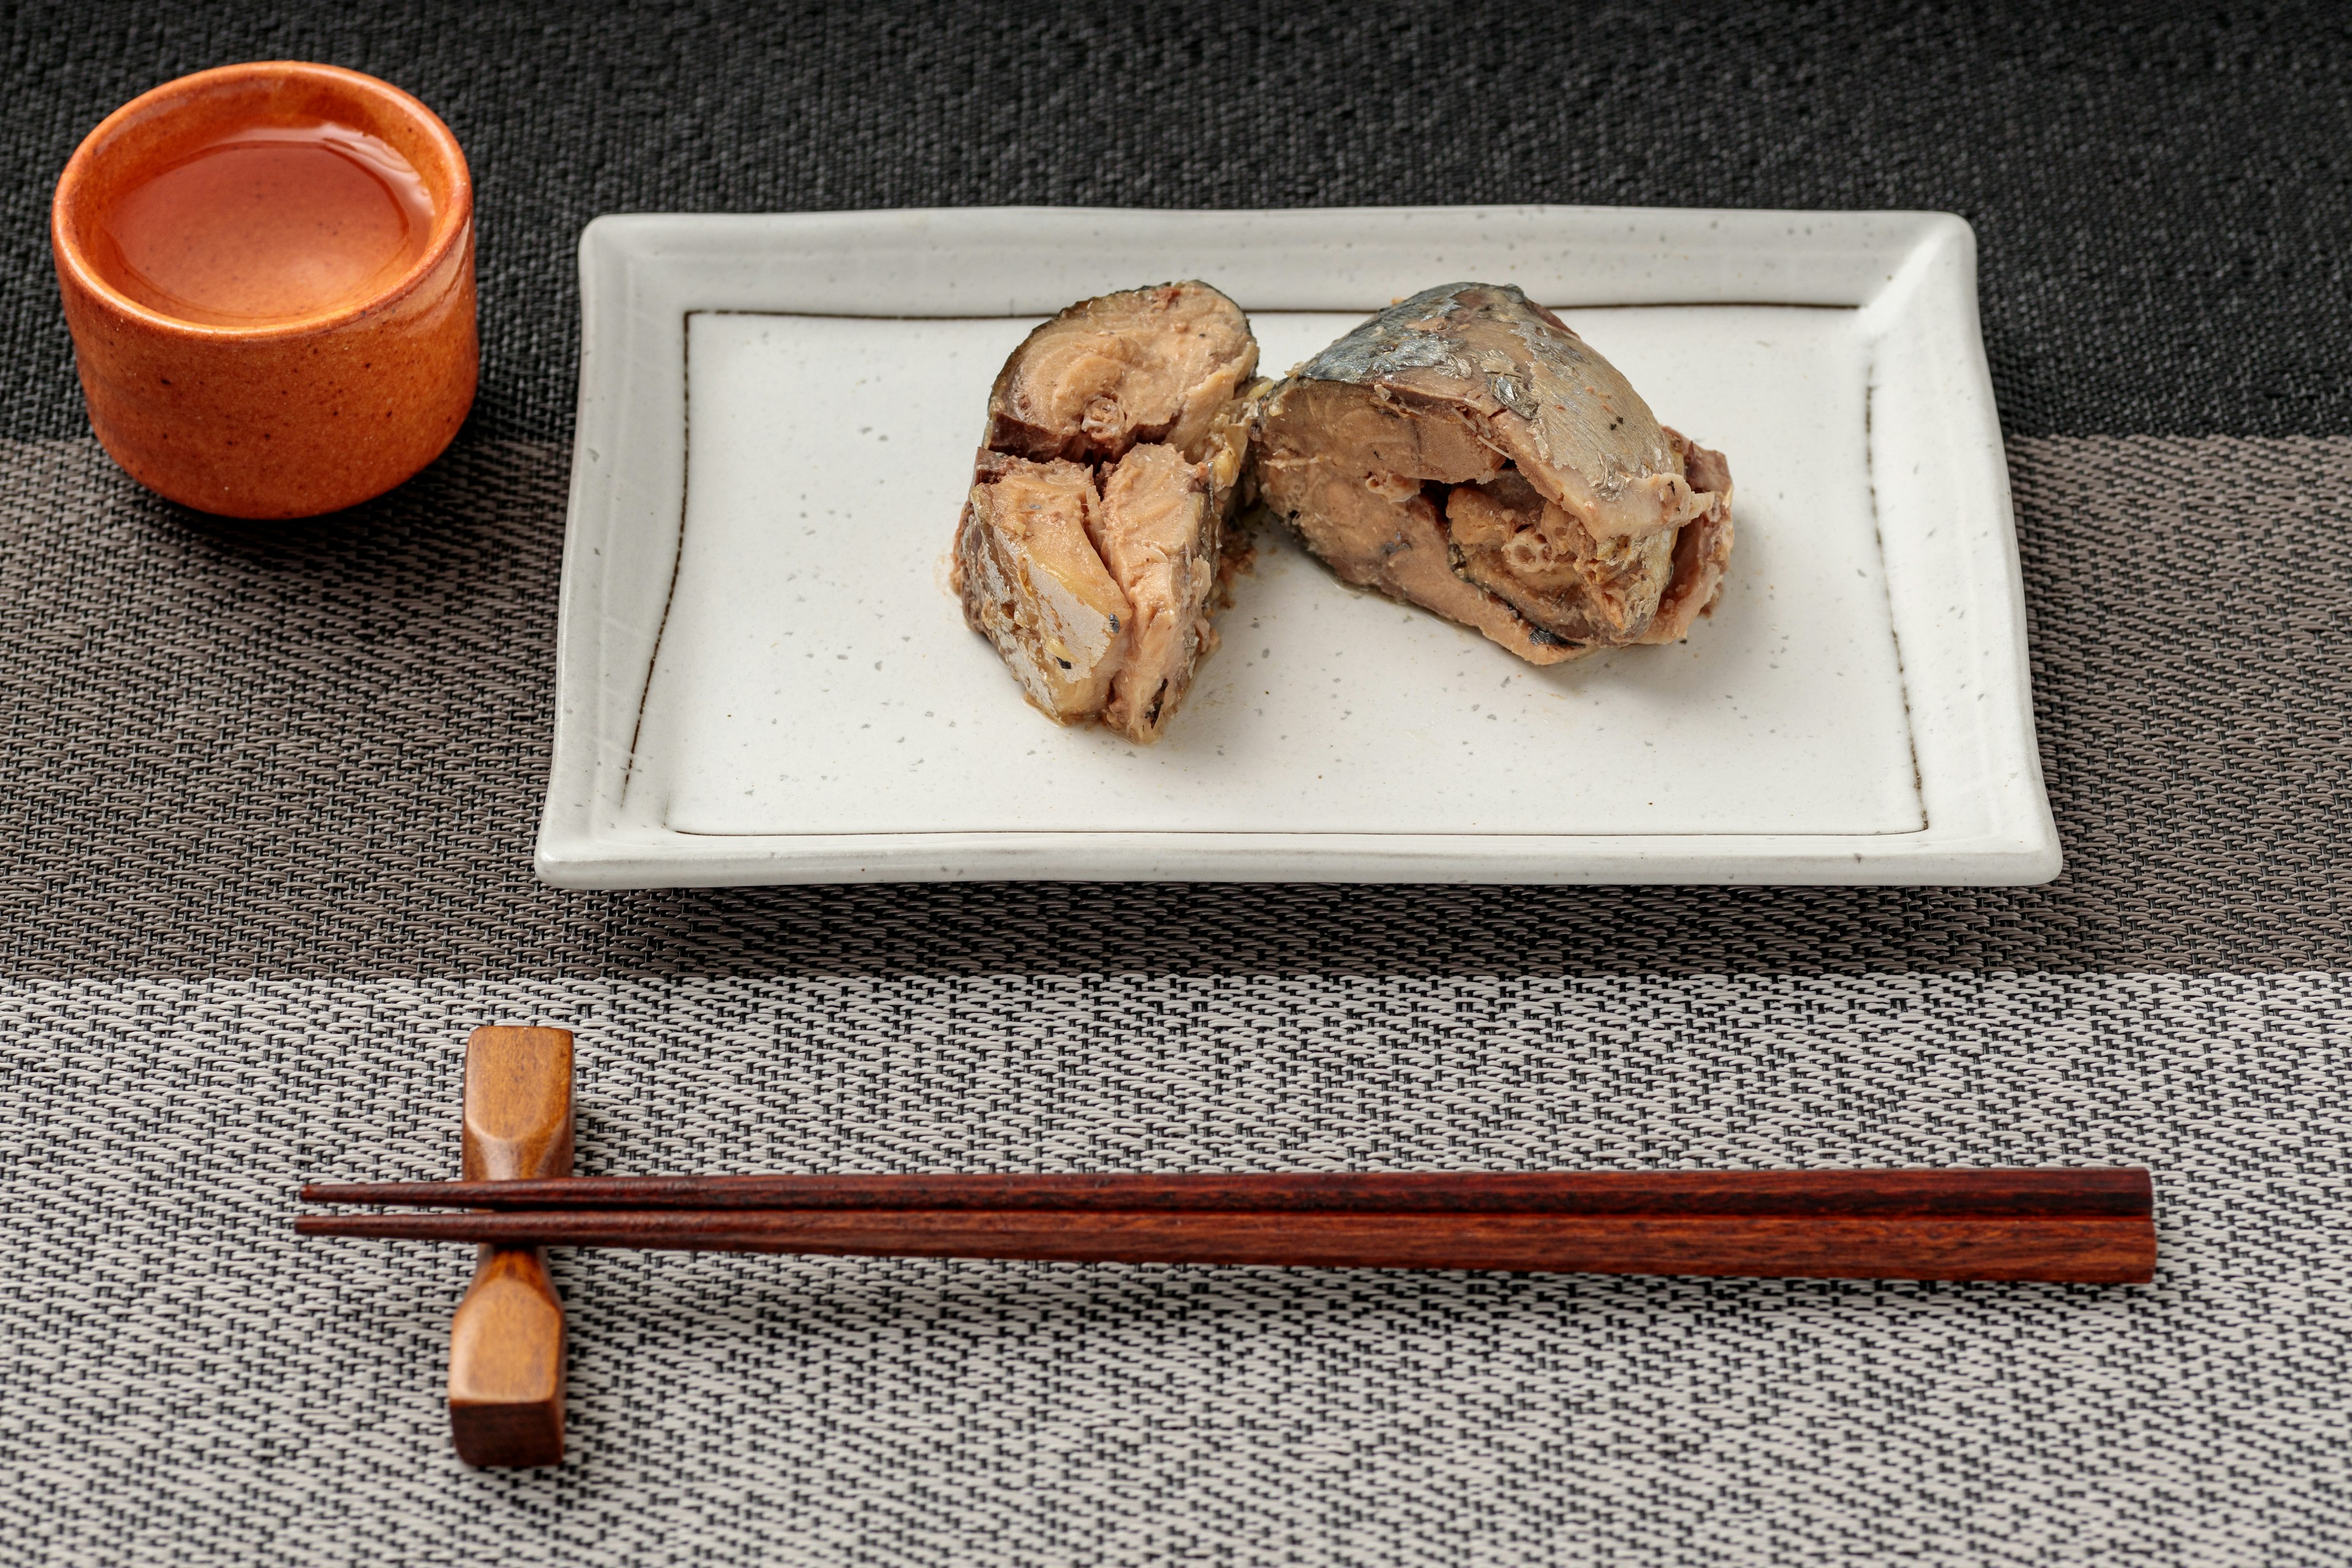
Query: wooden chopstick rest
{"x":506,"y":1339}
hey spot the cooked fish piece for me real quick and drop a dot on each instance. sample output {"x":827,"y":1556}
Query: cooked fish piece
{"x":1089,"y":552}
{"x":1157,"y":531}
{"x":1230,"y":431}
{"x":1466,"y":452}
{"x":1032,"y":582}
{"x":1702,"y":550}
{"x":1146,"y":364}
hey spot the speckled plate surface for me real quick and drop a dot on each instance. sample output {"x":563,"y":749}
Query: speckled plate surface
{"x":762,"y":676}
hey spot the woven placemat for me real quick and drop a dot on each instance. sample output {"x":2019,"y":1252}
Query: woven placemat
{"x":271,"y":790}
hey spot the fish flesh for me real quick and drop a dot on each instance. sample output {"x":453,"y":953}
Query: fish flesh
{"x":1031,"y":581}
{"x":1466,"y":452}
{"x":1090,"y":547}
{"x":1158,"y":535}
{"x":1155,"y":364}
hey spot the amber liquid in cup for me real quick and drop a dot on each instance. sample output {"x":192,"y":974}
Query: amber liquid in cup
{"x":268,"y":223}
{"x":269,"y":273}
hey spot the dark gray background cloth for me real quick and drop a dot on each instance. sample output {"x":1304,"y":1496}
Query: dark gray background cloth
{"x":2161,"y":191}
{"x":242,"y":749}
{"x":270,"y":792}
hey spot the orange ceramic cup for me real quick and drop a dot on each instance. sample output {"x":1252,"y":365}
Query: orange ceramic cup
{"x":269,"y":273}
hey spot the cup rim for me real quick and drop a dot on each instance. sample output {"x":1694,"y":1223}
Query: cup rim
{"x":450,"y":226}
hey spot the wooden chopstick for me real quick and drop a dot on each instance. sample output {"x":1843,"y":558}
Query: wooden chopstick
{"x":2055,"y":1191}
{"x":2091,"y":1225}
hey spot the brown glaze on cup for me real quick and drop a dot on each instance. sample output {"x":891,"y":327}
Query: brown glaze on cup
{"x":274,"y":416}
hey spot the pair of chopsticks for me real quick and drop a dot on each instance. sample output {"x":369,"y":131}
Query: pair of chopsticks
{"x":2086,"y":1225}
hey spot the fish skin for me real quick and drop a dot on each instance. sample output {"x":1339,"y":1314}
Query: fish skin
{"x":1505,"y":475}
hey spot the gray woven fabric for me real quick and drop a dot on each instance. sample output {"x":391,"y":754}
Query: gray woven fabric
{"x":321,"y":751}
{"x":188,"y":1385}
{"x":271,"y":796}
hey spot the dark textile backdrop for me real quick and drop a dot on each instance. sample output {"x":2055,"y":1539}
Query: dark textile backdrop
{"x":2163,"y":194}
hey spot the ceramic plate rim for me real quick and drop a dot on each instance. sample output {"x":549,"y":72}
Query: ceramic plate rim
{"x":1911,"y":275}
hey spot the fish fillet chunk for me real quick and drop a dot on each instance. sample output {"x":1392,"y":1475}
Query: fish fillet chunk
{"x":1033,"y":586}
{"x":1466,"y":452}
{"x":1090,"y":550}
{"x":1144,"y":365}
{"x":1157,"y":533}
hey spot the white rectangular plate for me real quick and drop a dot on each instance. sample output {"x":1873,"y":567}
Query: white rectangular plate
{"x":762,"y":676}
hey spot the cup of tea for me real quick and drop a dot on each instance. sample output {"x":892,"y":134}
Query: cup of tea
{"x":269,"y":274}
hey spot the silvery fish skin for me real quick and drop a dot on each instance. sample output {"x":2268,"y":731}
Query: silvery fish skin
{"x":1089,"y":549}
{"x":1466,"y":452}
